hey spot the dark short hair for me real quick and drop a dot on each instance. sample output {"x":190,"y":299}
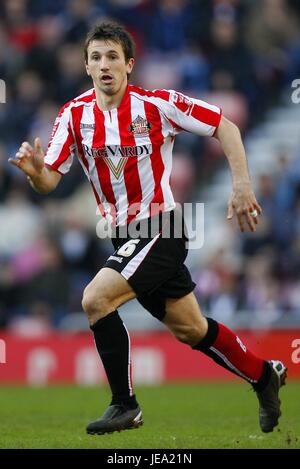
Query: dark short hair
{"x":111,"y":31}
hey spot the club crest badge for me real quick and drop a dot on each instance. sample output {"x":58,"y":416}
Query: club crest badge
{"x":140,"y":127}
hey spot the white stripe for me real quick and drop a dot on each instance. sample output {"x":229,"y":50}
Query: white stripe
{"x":143,"y":162}
{"x":166,"y":154}
{"x":66,"y":165}
{"x":201,"y":103}
{"x":228,"y":363}
{"x":112,"y":137}
{"x":57,"y":142}
{"x":167,"y":128}
{"x":83,"y":95}
{"x":129,"y":362}
{"x":131,"y":267}
{"x":83,"y":103}
{"x":87,"y":139}
{"x":186,"y":122}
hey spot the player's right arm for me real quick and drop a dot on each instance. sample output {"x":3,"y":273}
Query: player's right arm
{"x":44,"y":171}
{"x":31,"y":161}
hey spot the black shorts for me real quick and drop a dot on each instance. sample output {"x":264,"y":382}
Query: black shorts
{"x":153,"y":265}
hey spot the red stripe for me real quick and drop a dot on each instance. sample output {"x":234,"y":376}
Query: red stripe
{"x":131,"y":173}
{"x":229,"y":344}
{"x":86,"y":99}
{"x":158,"y":167}
{"x":54,"y":169}
{"x":57,"y":122}
{"x":65,"y":151}
{"x":174,"y":125}
{"x":163,"y":94}
{"x":77,"y":116}
{"x":102,"y":168}
{"x":205,"y":115}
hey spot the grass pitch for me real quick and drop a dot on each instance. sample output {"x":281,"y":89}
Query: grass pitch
{"x":194,"y":415}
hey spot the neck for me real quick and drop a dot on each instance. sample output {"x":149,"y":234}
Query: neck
{"x":107,"y":102}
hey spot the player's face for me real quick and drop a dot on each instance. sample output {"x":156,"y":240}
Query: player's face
{"x":107,"y":66}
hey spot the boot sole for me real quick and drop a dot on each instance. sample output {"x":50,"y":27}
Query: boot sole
{"x":282,"y":382}
{"x":136,"y":423}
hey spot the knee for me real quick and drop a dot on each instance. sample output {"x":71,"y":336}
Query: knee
{"x":190,"y":334}
{"x":95,"y":303}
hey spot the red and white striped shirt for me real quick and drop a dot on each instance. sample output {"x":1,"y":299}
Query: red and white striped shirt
{"x":126,"y":153}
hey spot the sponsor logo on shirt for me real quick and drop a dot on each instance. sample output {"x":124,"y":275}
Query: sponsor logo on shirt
{"x":87,"y":126}
{"x":140,"y":127}
{"x":116,"y":156}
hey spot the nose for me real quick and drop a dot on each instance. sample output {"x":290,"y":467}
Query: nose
{"x":104,"y":64}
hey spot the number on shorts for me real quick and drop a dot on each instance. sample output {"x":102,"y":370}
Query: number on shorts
{"x":128,"y":248}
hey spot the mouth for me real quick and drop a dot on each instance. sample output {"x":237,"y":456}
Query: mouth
{"x":106,"y":79}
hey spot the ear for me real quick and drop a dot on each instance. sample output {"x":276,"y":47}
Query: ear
{"x":87,"y":69}
{"x":130,"y":65}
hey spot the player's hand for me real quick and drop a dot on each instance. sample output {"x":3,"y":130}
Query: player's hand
{"x":30,"y":159}
{"x":243,"y":203}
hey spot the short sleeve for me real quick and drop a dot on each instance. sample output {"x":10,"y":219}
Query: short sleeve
{"x":61,"y":147}
{"x":185,"y":113}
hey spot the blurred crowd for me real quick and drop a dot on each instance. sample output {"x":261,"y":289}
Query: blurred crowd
{"x":238,"y":54}
{"x":256,"y":281}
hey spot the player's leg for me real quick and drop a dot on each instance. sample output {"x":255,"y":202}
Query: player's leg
{"x":131,"y":269}
{"x":185,"y":320}
{"x":106,"y":292}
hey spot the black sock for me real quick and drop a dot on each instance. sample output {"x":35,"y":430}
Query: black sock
{"x":264,"y":379}
{"x":113,"y":345}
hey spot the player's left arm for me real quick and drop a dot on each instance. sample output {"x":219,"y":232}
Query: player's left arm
{"x":242,"y":200}
{"x":204,"y":119}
